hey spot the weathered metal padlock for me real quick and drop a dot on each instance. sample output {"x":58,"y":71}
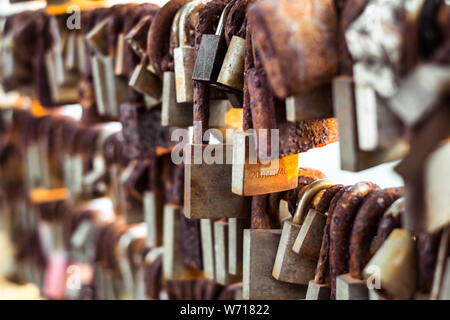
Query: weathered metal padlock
{"x":120,"y":64}
{"x":221,"y":249}
{"x":153,"y":216}
{"x":352,"y":156}
{"x":260,"y":249}
{"x":236,"y":228}
{"x":231,"y":74}
{"x":145,"y":81}
{"x":207,"y":183}
{"x":173,"y":264}
{"x":172,"y":112}
{"x":394,"y":265}
{"x":98,"y":37}
{"x":130,"y":286}
{"x":259,"y":252}
{"x":211,"y":52}
{"x":184,"y":54}
{"x":251,"y":177}
{"x":289,"y":266}
{"x":316,"y":103}
{"x":208,"y":256}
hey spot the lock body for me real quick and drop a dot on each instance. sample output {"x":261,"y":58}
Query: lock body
{"x":146,"y":82}
{"x":221,"y":249}
{"x":260,"y":249}
{"x":210,"y":56}
{"x":289,"y":266}
{"x":184,"y":67}
{"x":208,"y":186}
{"x":313,"y":104}
{"x":172,"y":112}
{"x":232,"y":72}
{"x":251,"y":177}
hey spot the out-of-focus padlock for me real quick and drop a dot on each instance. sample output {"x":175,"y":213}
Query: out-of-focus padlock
{"x":173,"y":264}
{"x":221,"y":249}
{"x":345,"y":109}
{"x":184,"y":54}
{"x":212,"y":51}
{"x":208,"y":184}
{"x":120,"y":64}
{"x":98,"y":37}
{"x":251,"y":177}
{"x":208,"y":256}
{"x":289,"y":266}
{"x":153,"y":215}
{"x":231,"y":74}
{"x":145,"y":81}
{"x":172,"y":112}
{"x":393,"y":266}
{"x":260,"y":249}
{"x":313,"y":104}
{"x":236,"y":228}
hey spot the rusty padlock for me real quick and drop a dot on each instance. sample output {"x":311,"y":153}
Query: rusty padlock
{"x":289,"y":266}
{"x":231,"y":74}
{"x":221,"y":249}
{"x":184,"y":53}
{"x":146,"y":82}
{"x":207,"y":183}
{"x":172,"y":112}
{"x":251,"y":177}
{"x":212,"y":51}
{"x":259,"y":252}
{"x":173,"y":263}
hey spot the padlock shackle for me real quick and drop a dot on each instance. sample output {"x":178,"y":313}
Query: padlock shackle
{"x":174,"y":30}
{"x":308,"y":194}
{"x":189,"y":10}
{"x":223,"y":16}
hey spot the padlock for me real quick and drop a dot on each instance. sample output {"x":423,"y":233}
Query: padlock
{"x":146,"y":82}
{"x":352,"y":157}
{"x":221,"y":249}
{"x":120,"y":63}
{"x":134,"y":232}
{"x":207,"y":183}
{"x":236,"y":228}
{"x":260,"y":249}
{"x":252,"y":177}
{"x":173,"y":264}
{"x":71,"y":51}
{"x":316,"y":103}
{"x":81,"y":53}
{"x":153,"y":215}
{"x":184,"y":54}
{"x":98,"y":37}
{"x":137,"y":36}
{"x":290,"y":267}
{"x":231,"y":74}
{"x":207,"y":236}
{"x":395,"y":266}
{"x":211,"y":52}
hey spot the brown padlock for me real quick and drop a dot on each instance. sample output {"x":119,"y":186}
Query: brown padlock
{"x":184,"y":57}
{"x":289,"y":266}
{"x":204,"y":180}
{"x":259,"y":252}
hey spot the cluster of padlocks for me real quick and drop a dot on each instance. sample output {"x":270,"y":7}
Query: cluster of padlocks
{"x":181,"y":177}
